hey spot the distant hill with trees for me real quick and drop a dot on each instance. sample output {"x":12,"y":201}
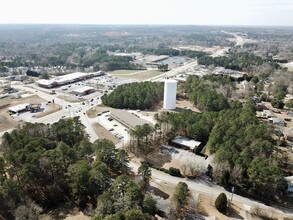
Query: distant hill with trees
{"x":242,"y":61}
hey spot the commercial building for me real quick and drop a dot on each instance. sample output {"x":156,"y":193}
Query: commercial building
{"x":127,"y":119}
{"x":24,"y":108}
{"x":83,"y":90}
{"x":67,"y":79}
{"x":19,"y":108}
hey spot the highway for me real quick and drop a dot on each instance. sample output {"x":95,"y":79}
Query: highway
{"x":173,"y":72}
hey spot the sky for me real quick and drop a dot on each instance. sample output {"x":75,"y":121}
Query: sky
{"x":182,"y":12}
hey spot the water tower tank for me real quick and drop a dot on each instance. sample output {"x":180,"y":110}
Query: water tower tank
{"x":170,"y":94}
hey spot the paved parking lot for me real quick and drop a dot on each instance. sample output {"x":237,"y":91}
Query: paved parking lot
{"x":117,"y":129}
{"x":100,"y":84}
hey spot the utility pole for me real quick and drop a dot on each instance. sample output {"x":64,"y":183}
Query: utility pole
{"x":233,"y":190}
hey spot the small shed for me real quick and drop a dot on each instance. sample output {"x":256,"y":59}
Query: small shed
{"x":185,"y":143}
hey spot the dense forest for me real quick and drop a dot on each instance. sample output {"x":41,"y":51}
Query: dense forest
{"x":242,"y":146}
{"x":45,"y":166}
{"x":204,"y":95}
{"x":145,"y":95}
{"x":173,"y":52}
{"x":242,"y":61}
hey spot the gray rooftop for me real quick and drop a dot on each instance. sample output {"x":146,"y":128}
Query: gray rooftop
{"x":127,"y":119}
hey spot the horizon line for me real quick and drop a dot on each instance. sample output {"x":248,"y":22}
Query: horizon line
{"x":129,"y":24}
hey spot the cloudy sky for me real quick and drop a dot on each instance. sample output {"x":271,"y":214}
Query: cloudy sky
{"x":196,"y":12}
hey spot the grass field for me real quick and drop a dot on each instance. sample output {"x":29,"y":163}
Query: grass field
{"x":118,"y":72}
{"x":142,"y":75}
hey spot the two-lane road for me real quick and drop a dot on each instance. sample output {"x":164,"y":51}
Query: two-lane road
{"x":210,"y":189}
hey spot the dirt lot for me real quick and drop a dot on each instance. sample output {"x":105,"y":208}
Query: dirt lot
{"x":207,"y":208}
{"x":51,"y":108}
{"x":182,"y":104}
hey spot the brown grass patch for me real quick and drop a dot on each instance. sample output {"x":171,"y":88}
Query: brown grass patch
{"x":103,"y":132}
{"x":92,"y":112}
{"x":72,"y":99}
{"x":51,"y":108}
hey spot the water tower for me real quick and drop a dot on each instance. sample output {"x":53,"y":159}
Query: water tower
{"x":170,"y":94}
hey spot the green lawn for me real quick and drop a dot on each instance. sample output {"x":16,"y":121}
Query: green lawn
{"x":125,"y":71}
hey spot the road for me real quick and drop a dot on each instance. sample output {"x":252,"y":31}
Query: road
{"x":211,"y":189}
{"x":68,"y":110}
{"x":173,"y":72}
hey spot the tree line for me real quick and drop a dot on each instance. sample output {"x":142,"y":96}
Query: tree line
{"x":245,"y":153}
{"x":203,"y":95}
{"x":173,"y":52}
{"x":144,"y":95}
{"x":242,"y":61}
{"x":44,"y":166}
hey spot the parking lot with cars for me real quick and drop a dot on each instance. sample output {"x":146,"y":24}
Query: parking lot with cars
{"x":100,"y":85}
{"x":118,"y":130}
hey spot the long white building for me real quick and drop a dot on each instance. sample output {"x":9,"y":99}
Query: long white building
{"x":66,"y":79}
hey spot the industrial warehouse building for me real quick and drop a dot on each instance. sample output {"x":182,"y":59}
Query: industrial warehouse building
{"x":127,"y":119}
{"x":66,"y":79}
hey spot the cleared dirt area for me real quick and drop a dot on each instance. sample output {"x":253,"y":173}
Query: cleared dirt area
{"x":51,"y":108}
{"x":69,"y":98}
{"x":214,"y":51}
{"x":185,"y":104}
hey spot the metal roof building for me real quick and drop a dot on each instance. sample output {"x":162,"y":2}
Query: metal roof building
{"x":19,"y":108}
{"x":68,"y":78}
{"x":186,"y":142}
{"x":129,"y":120}
{"x":83,"y":90}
